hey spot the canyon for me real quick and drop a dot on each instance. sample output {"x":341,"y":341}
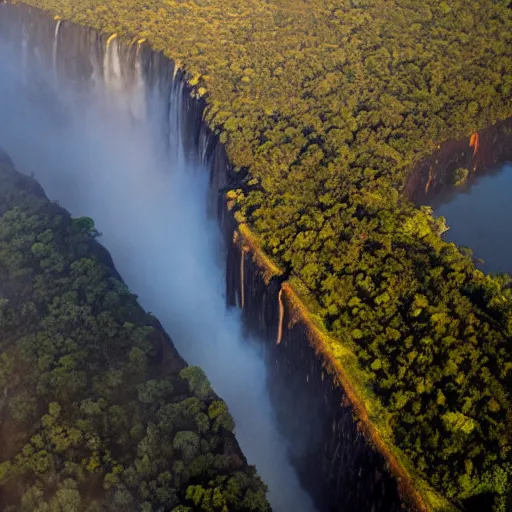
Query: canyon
{"x":113,"y":130}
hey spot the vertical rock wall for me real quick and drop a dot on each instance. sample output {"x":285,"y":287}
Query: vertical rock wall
{"x":334,"y":461}
{"x":476,"y":153}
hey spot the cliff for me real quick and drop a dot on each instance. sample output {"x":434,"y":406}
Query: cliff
{"x":331,"y":447}
{"x":476,"y":153}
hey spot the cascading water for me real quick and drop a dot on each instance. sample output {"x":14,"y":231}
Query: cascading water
{"x":54,"y":53}
{"x":23,"y":57}
{"x":109,"y":139}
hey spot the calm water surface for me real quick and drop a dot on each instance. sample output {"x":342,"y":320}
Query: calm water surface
{"x":480,"y":217}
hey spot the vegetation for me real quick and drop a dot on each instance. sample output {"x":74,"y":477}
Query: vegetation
{"x":97,"y":410}
{"x":329,"y":105}
{"x":460,"y":176}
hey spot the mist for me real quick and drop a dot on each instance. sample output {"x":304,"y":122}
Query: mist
{"x":99,"y":150}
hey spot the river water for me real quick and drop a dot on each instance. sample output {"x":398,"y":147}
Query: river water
{"x":480,"y":217}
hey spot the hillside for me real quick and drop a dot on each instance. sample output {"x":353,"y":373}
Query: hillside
{"x":97,"y":409}
{"x":325,"y":108}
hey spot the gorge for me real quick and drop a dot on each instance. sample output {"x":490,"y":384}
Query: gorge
{"x":111,"y":131}
{"x":159,"y":235}
{"x":104,"y":128}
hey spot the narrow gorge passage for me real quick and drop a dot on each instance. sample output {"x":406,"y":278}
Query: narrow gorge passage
{"x":102,"y":130}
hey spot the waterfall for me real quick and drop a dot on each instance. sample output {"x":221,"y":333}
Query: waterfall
{"x":24,"y":55}
{"x":204,"y":140}
{"x":112,"y":65}
{"x":54,"y":52}
{"x":242,"y":278}
{"x":175,"y":70}
{"x":138,"y":100}
{"x":281,"y":316}
{"x":176,"y":150}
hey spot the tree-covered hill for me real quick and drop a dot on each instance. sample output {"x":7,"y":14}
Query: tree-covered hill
{"x":97,"y":409}
{"x":325,"y":107}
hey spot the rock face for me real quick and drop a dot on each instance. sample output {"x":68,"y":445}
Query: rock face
{"x":475,"y":153}
{"x":335,"y":462}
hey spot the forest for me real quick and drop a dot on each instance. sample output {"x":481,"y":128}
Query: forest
{"x":97,"y":409}
{"x":325,"y":107}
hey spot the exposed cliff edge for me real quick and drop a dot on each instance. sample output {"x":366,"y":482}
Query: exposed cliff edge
{"x":98,"y":411}
{"x":318,"y":408}
{"x":481,"y":150}
{"x":345,"y":464}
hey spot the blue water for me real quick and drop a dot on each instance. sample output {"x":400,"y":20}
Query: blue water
{"x":480,"y":217}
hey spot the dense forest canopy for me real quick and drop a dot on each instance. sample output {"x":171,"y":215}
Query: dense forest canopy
{"x":97,"y":409}
{"x":328,"y":105}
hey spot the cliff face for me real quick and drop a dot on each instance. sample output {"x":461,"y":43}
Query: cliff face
{"x":333,"y":458}
{"x":475,"y":153}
